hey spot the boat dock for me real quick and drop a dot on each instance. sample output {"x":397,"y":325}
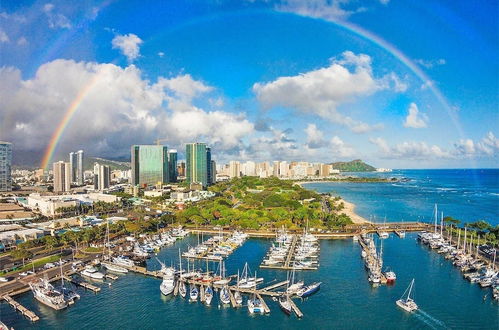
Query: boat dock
{"x":365,"y":248}
{"x":111,"y":276}
{"x":295,"y":309}
{"x":400,"y":233}
{"x":83,"y":284}
{"x":289,"y":262}
{"x":18,"y":307}
{"x":275,"y":286}
{"x":264,"y":304}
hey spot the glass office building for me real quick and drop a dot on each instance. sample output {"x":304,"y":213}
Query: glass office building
{"x":5,"y":166}
{"x":149,"y":165}
{"x":198,"y":163}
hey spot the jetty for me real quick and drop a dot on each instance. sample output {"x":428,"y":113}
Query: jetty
{"x":83,"y":284}
{"x":18,"y":307}
{"x":295,"y":309}
{"x":369,"y":256}
{"x":289,"y":262}
{"x":275,"y":286}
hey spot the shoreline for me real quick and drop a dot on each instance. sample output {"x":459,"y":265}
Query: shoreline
{"x":349,"y":208}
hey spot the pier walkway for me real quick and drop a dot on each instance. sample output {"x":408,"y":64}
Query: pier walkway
{"x":18,"y":307}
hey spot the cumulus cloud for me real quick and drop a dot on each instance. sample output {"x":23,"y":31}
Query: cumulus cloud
{"x":22,"y":41}
{"x":326,"y":9}
{"x":340,"y":148}
{"x":415,"y":119}
{"x":56,"y":20}
{"x":409,"y":150}
{"x":128,"y":44}
{"x":430,"y":63}
{"x":161,"y":54}
{"x":322,"y":91}
{"x":488,"y":146}
{"x":315,"y":137}
{"x":118,"y":108}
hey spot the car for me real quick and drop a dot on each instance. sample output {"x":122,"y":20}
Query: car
{"x":3,"y":279}
{"x":49,"y":265}
{"x":23,"y":274}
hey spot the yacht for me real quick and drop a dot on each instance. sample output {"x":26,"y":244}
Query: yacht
{"x":285,"y":304}
{"x":309,"y":290}
{"x":168,"y":283}
{"x":123,"y":261}
{"x":406,"y":302}
{"x":45,"y":293}
{"x":390,"y":277}
{"x":182,"y":289}
{"x":194,"y":293}
{"x":91,"y":272}
{"x":225,"y":295}
{"x":208,"y":295}
{"x":255,"y":305}
{"x":114,"y":268}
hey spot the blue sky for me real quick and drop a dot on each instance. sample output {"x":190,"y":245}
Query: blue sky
{"x":257,"y":80}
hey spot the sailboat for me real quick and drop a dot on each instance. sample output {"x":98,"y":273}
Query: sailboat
{"x":208,"y":295}
{"x":225,"y":295}
{"x":182,"y":289}
{"x":406,"y":302}
{"x":69,"y":295}
{"x":109,"y":265}
{"x":294,"y":287}
{"x":309,"y":290}
{"x":237,"y":295}
{"x":221,"y":279}
{"x":248,"y":282}
{"x":285,"y":304}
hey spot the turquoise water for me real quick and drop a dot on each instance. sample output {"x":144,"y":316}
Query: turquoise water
{"x":346,"y":299}
{"x":468,"y":195}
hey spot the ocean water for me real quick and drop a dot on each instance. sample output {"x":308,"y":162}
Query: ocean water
{"x":465,"y":194}
{"x":346,"y":299}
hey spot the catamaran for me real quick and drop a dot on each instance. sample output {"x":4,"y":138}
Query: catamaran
{"x":194,"y":293}
{"x":406,"y":302}
{"x":255,"y":305}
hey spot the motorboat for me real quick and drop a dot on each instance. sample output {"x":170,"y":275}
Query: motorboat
{"x":91,"y":272}
{"x":45,"y":293}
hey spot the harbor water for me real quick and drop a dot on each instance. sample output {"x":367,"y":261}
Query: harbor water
{"x":346,"y":299}
{"x":465,"y":194}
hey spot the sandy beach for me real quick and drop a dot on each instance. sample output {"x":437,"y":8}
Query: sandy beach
{"x":350,"y":211}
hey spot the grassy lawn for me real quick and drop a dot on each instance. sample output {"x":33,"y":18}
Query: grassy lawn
{"x":38,"y":263}
{"x":92,"y":249}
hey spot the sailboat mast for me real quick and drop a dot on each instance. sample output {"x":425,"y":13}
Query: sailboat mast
{"x":441,"y":224}
{"x":435,"y":216}
{"x":464,"y":244}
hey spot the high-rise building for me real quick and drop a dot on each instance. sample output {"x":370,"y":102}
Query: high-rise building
{"x":149,"y":165}
{"x":102,"y":176}
{"x":234,"y":169}
{"x":172,"y":165}
{"x":198,"y":164}
{"x":5,"y":166}
{"x":73,"y":164}
{"x":62,"y":176}
{"x":213,"y":172}
{"x":181,"y":169}
{"x":79,"y":168}
{"x":249,"y":168}
{"x":283,"y":169}
{"x":276,"y":168}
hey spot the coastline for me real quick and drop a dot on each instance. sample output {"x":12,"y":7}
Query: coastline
{"x":349,"y":208}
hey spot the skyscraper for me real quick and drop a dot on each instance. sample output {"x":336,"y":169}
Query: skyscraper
{"x":172,"y":165}
{"x":79,"y":170}
{"x":198,"y":164}
{"x":149,"y":165}
{"x":102,"y":176}
{"x":234,"y":169}
{"x":213,"y":172}
{"x":62,"y":176}
{"x":5,"y":166}
{"x":73,"y":163}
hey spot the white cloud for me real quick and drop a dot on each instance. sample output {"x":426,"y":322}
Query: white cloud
{"x":315,"y":137}
{"x":326,"y":9}
{"x":340,"y":149}
{"x":409,"y":150}
{"x":128,"y":44}
{"x":415,"y":119}
{"x":488,"y":146}
{"x":322,"y":91}
{"x":161,"y":54}
{"x":3,"y":36}
{"x":56,"y":20}
{"x":430,"y":63}
{"x":118,"y":108}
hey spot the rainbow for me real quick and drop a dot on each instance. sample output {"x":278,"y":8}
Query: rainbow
{"x":365,"y":34}
{"x":71,"y":110}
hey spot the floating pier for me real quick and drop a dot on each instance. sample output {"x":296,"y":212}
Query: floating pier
{"x":289,"y":261}
{"x":264,"y":304}
{"x":275,"y":286}
{"x":111,"y":276}
{"x":18,"y":307}
{"x":83,"y":284}
{"x":295,"y":309}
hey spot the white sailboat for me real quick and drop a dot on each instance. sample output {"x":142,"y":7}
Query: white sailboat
{"x":225,"y":295}
{"x":208,"y":295}
{"x":194,"y":293}
{"x":406,"y":302}
{"x":108,"y":265}
{"x":182,"y":289}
